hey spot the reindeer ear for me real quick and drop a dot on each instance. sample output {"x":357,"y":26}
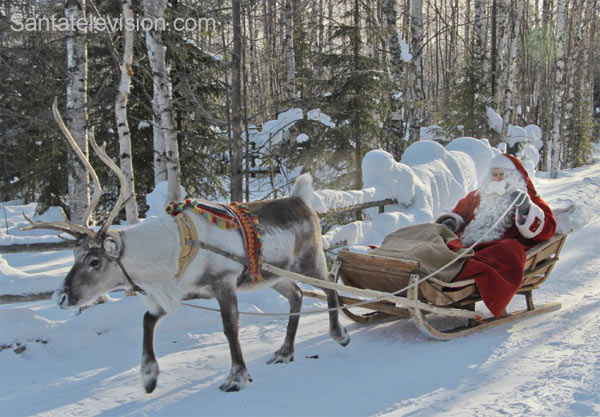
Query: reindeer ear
{"x":113,"y":246}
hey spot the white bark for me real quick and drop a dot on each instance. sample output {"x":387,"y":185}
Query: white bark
{"x":556,"y":141}
{"x":290,"y":59}
{"x":417,"y":96}
{"x":510,"y":69}
{"x":503,"y":31}
{"x":391,"y":16}
{"x":155,"y":9}
{"x":576,"y":59}
{"x":481,"y":39}
{"x":126,"y":67}
{"x":160,"y":159}
{"x":77,"y":117}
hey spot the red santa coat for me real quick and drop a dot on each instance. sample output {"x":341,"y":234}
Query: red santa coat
{"x":497,"y":266}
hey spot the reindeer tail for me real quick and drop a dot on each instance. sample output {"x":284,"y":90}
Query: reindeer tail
{"x":303,"y":189}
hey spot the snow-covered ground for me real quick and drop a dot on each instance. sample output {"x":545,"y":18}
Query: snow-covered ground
{"x":55,"y":363}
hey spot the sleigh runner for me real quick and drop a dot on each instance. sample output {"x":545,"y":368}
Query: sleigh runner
{"x":381,"y":274}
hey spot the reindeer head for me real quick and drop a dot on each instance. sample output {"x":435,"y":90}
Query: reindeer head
{"x":96,"y":271}
{"x":97,"y":267}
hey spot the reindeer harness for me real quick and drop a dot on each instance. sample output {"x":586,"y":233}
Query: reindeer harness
{"x":229,"y":216}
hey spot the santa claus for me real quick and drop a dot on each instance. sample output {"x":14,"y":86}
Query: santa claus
{"x":499,"y":259}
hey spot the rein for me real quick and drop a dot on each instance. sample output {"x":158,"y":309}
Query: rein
{"x":133,"y":285}
{"x":241,"y":260}
{"x":414,"y":282}
{"x":462,"y":255}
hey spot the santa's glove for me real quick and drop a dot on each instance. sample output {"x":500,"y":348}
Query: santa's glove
{"x":523,"y":202}
{"x":450,"y":224}
{"x":448,"y":221}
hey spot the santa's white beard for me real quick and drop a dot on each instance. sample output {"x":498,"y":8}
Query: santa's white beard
{"x":494,"y":200}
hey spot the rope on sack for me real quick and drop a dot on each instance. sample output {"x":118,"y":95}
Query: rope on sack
{"x":462,"y":255}
{"x":239,"y":259}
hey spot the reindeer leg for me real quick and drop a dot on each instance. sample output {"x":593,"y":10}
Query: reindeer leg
{"x":149,"y":367}
{"x":238,"y":376}
{"x":292,"y":292}
{"x":336,"y":330}
{"x":314,"y":265}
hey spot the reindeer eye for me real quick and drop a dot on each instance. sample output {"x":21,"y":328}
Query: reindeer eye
{"x":94,"y":263}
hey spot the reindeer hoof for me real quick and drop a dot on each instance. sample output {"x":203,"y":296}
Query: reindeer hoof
{"x":149,"y":386}
{"x":150,"y":376}
{"x":281,"y":356}
{"x":342,"y":337}
{"x":236,"y":381}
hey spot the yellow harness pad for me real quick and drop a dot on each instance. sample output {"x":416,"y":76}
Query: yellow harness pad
{"x":187,"y":232}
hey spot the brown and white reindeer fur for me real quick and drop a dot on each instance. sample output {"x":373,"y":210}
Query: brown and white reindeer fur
{"x":146,"y":256}
{"x":149,"y":253}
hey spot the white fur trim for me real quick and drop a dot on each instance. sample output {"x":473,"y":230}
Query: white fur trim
{"x":501,"y":161}
{"x":534,"y":222}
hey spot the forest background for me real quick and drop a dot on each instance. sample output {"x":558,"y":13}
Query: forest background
{"x":184,"y":104}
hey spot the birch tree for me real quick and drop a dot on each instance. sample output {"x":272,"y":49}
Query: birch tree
{"x":511,"y":69}
{"x":288,"y":52}
{"x":160,"y":159}
{"x":236,"y":149}
{"x":77,"y":116}
{"x":503,"y":33}
{"x":556,"y":141}
{"x":481,"y":42}
{"x":415,"y":118}
{"x":389,"y":11}
{"x":126,"y":67}
{"x":154,"y":10}
{"x":576,"y":60}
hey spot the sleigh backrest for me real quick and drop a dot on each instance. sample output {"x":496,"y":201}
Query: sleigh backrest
{"x":540,"y":261}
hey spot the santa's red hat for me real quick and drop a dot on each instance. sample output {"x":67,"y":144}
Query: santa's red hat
{"x":506,"y":161}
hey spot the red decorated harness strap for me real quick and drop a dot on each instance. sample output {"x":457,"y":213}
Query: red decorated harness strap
{"x":230,"y":216}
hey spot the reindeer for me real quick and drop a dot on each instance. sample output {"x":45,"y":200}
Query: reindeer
{"x":145,"y":257}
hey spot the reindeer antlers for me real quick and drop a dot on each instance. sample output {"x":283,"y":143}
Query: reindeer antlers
{"x":101,"y":152}
{"x":65,"y":225}
{"x":84,"y":160}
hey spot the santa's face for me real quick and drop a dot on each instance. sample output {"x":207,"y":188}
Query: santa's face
{"x":497,"y":174}
{"x":494,"y":200}
{"x":501,"y":182}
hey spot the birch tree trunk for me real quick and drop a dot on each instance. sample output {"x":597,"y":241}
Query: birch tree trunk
{"x":547,"y":91}
{"x":290,"y":59}
{"x":356,"y":126}
{"x":503,"y":32}
{"x":77,"y":117}
{"x":589,"y":82}
{"x":155,"y":10}
{"x":575,"y":63}
{"x":556,"y":141}
{"x":160,"y":159}
{"x":131,"y":211}
{"x":493,"y":49}
{"x":237,"y":171}
{"x":481,"y":42}
{"x":415,"y":118}
{"x":467,"y":25}
{"x":511,"y":69}
{"x":389,"y":11}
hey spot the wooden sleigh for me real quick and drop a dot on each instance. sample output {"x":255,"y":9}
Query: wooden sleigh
{"x":380,"y":275}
